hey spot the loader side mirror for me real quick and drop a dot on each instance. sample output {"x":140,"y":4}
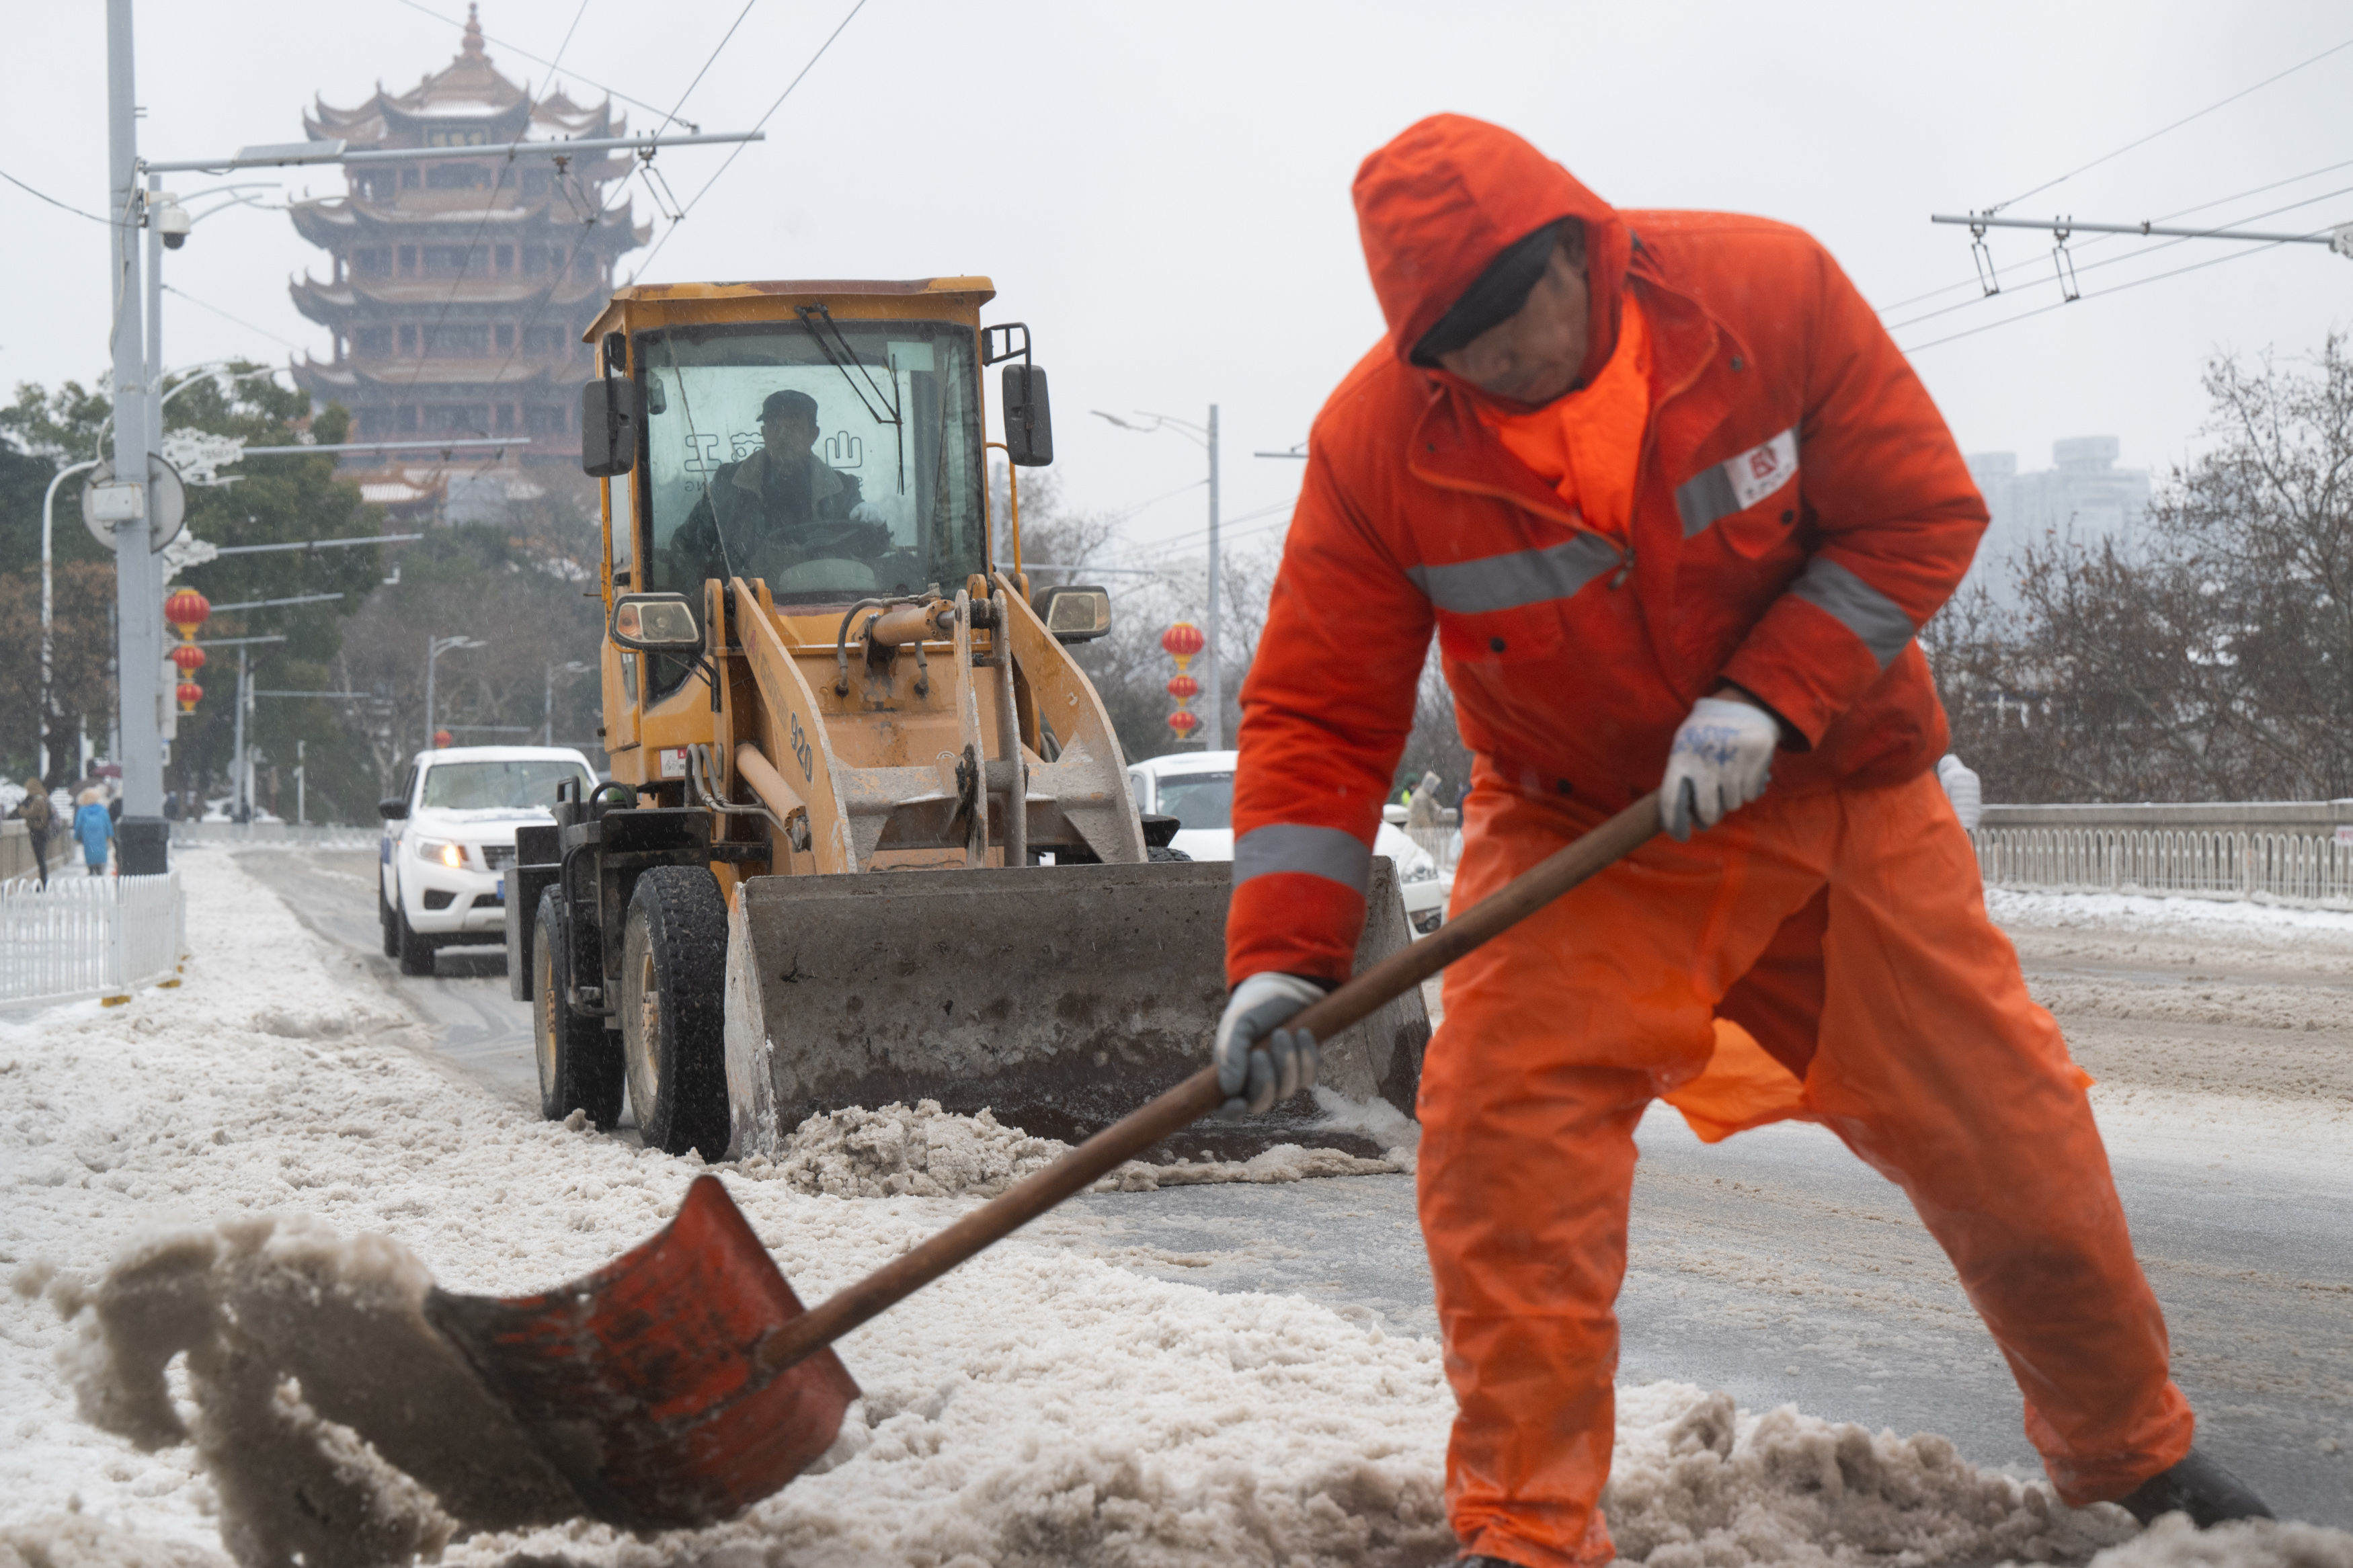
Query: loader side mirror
{"x":1074,"y":614}
{"x":1029,"y":417}
{"x":608,"y":427}
{"x":656,"y":623}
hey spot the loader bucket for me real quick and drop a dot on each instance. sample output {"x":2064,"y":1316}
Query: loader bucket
{"x":1058,"y":998}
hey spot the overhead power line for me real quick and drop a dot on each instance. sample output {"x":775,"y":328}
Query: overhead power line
{"x":238,"y":321}
{"x":2094,"y":294}
{"x":2176,"y":125}
{"x":44,"y":195}
{"x":696,"y":199}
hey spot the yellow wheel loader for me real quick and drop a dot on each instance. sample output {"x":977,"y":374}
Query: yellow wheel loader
{"x":870,"y":835}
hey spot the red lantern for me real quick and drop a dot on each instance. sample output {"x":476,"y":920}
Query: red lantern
{"x":1182,"y":641}
{"x":1183,"y":722}
{"x":187,"y":610}
{"x":189,"y":694}
{"x":1184,"y":688}
{"x":188,"y":657}
{"x":441,"y":737}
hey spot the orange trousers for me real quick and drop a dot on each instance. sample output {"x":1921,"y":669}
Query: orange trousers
{"x":1846,"y":933}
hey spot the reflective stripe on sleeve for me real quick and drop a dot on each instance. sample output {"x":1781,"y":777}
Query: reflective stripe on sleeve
{"x":1522,"y":577}
{"x":1862,"y":609}
{"x":1332,"y":853}
{"x":1737,"y":483}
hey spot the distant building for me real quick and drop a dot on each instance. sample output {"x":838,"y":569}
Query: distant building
{"x":459,"y":288}
{"x":2083,"y":493}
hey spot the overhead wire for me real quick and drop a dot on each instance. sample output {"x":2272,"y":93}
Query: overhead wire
{"x":2168,"y":130}
{"x":225,"y":316}
{"x":2254,"y":249}
{"x":43,"y":195}
{"x":738,"y":152}
{"x":706,"y":67}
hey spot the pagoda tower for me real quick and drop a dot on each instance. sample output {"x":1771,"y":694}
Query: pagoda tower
{"x":460,"y":288}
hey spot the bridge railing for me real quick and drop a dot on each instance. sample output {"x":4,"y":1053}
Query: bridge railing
{"x":2288,"y":852}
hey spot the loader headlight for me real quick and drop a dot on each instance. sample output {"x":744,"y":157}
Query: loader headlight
{"x":1420,"y":871}
{"x":450,"y":854}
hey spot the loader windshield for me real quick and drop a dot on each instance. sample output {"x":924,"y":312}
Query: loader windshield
{"x":836,"y":459}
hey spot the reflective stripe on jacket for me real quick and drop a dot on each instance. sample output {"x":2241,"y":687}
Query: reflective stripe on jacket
{"x":1799,"y":511}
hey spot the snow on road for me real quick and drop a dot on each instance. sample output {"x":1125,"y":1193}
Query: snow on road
{"x":1037,"y":1406}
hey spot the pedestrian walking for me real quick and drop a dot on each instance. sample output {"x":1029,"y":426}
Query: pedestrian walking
{"x":38,"y":820}
{"x":95,"y":828}
{"x":1676,"y":508}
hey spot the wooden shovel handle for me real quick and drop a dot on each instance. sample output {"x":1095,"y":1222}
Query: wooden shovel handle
{"x":1197,"y":1096}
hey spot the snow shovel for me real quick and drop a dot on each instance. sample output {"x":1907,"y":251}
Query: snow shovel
{"x":684,"y":1381}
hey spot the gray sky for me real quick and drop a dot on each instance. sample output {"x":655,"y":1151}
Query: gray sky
{"x":1162,"y":192}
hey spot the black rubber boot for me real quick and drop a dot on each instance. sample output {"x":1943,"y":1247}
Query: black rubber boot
{"x":2198,"y":1487}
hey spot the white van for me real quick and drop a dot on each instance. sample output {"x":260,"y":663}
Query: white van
{"x":1196,"y":788}
{"x":449,"y":836}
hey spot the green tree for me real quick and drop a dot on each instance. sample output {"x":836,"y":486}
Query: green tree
{"x":262,"y":499}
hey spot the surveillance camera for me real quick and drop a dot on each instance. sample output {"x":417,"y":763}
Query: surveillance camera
{"x":172,"y":222}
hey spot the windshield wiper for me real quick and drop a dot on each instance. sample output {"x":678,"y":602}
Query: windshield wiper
{"x":889,"y":400}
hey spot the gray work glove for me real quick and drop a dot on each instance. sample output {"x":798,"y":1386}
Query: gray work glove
{"x":1720,"y":761}
{"x":1254,"y":1079}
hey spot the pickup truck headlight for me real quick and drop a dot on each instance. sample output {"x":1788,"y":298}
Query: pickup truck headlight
{"x":450,"y":854}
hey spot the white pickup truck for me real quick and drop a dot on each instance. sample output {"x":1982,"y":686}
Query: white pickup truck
{"x":449,"y":836}
{"x":1196,"y":788}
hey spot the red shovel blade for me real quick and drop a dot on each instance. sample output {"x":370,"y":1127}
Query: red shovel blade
{"x":638,"y":1382}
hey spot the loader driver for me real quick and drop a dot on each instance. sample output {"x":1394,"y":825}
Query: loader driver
{"x":1674,"y":507}
{"x":779,"y":508}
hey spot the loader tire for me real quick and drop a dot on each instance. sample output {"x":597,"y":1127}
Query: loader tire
{"x":579,"y":1061}
{"x":1157,"y":853}
{"x":672,"y":981}
{"x":414,"y":951}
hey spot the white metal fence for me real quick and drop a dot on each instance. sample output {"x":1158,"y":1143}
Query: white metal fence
{"x":2289,"y":852}
{"x":90,"y":936}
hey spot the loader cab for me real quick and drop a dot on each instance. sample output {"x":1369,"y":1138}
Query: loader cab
{"x":824,"y":440}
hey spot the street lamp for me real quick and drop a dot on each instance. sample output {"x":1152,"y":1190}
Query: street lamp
{"x":434,"y":648}
{"x":548,"y":722}
{"x":1213,"y":681}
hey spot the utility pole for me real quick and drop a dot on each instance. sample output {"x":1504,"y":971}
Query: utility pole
{"x":237,"y":789}
{"x":1212,"y":676}
{"x":1213,"y":667}
{"x":139,"y":630}
{"x":302,"y":785}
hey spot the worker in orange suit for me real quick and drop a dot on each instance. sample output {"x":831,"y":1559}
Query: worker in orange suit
{"x":1675,"y":508}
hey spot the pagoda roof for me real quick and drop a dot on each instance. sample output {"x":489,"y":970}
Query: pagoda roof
{"x":468,"y":92}
{"x":328,"y":302}
{"x":326,"y":221}
{"x":423,"y":378}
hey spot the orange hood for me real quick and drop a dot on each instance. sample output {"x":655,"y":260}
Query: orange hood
{"x":1437,"y":205}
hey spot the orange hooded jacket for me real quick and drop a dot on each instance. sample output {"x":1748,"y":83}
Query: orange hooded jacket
{"x":1799,"y":511}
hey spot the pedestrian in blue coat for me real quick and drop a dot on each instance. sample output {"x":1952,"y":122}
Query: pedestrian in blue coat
{"x":95,"y":829}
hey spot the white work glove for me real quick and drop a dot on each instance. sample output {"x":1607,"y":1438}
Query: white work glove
{"x":867,"y":511}
{"x":1253,"y":1079}
{"x":1719,"y":763}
